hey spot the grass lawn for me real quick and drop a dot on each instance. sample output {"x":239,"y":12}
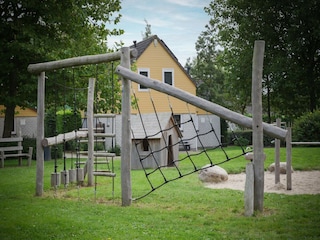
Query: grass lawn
{"x":181,"y":209}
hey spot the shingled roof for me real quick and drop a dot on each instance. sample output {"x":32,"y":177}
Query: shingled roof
{"x":143,"y":45}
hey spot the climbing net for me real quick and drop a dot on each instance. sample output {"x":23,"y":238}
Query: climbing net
{"x":185,"y":163}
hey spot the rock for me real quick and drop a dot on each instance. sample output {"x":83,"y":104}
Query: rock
{"x":213,"y":174}
{"x":283,"y":167}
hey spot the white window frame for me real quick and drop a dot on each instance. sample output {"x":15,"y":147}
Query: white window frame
{"x":143,"y":70}
{"x":168,"y":70}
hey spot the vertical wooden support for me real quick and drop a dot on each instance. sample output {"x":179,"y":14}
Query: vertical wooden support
{"x":126,"y":191}
{"x":289,"y":158}
{"x":90,"y":131}
{"x":40,"y":134}
{"x":248,"y":191}
{"x":257,"y":127}
{"x":277,"y":156}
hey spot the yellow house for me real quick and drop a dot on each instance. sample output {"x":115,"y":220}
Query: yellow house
{"x":25,"y":120}
{"x":155,"y":60}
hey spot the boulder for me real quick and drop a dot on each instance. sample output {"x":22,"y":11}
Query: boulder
{"x":283,"y":167}
{"x":213,"y":174}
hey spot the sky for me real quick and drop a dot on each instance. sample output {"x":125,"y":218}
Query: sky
{"x":177,"y":22}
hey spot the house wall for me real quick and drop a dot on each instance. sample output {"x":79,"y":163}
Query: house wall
{"x":209,"y":140}
{"x":156,"y":58}
{"x":152,"y":161}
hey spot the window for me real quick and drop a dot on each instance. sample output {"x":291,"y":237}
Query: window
{"x":177,"y":119}
{"x":168,"y":76}
{"x":145,"y":145}
{"x":144,"y":72}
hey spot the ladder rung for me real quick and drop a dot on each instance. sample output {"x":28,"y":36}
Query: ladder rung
{"x":94,"y":129}
{"x":104,"y":154}
{"x":95,"y":140}
{"x":104,"y":135}
{"x":104,"y":115}
{"x":95,"y":162}
{"x":104,"y":173}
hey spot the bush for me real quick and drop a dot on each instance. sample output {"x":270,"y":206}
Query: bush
{"x":30,"y":142}
{"x":245,"y":138}
{"x":116,"y":149}
{"x":307,"y":128}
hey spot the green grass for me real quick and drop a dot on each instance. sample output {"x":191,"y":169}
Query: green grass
{"x":181,"y":209}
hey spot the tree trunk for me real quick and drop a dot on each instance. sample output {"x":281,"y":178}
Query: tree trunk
{"x":8,"y":121}
{"x":312,"y":89}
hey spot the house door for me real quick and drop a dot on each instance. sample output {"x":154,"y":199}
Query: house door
{"x":170,"y":152}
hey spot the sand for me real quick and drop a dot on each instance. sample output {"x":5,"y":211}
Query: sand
{"x":303,"y":182}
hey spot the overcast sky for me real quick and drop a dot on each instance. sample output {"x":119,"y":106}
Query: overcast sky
{"x":177,"y":22}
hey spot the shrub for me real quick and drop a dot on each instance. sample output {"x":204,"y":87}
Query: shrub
{"x":30,"y":142}
{"x":116,"y":149}
{"x":245,"y":139}
{"x":307,"y":128}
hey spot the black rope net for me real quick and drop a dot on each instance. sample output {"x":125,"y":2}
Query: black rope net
{"x":155,"y":159}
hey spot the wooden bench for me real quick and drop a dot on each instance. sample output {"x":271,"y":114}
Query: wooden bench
{"x":14,"y":150}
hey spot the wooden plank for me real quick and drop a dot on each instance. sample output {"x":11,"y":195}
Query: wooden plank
{"x":13,"y":155}
{"x":14,"y":139}
{"x":216,"y":109}
{"x":11,"y":148}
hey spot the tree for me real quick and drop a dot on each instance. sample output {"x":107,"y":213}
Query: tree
{"x":33,"y":31}
{"x":147,"y":33}
{"x":204,"y":70}
{"x":291,"y":69}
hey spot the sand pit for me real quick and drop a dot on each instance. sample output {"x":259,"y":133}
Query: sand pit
{"x":303,"y":182}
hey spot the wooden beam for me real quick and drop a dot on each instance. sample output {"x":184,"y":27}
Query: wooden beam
{"x":63,"y":137}
{"x":277,"y":156}
{"x":289,"y":159}
{"x":257,"y":126}
{"x":78,"y":61}
{"x":216,"y":109}
{"x":90,"y":160}
{"x":40,"y":134}
{"x":126,"y":191}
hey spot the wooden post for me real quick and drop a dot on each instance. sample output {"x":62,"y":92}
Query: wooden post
{"x":90,"y":131}
{"x":277,"y":155}
{"x":257,"y":127}
{"x":40,"y":134}
{"x":289,"y":158}
{"x":249,"y":190}
{"x":126,"y":132}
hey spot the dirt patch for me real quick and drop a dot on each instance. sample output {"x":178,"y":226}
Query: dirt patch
{"x":303,"y":182}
